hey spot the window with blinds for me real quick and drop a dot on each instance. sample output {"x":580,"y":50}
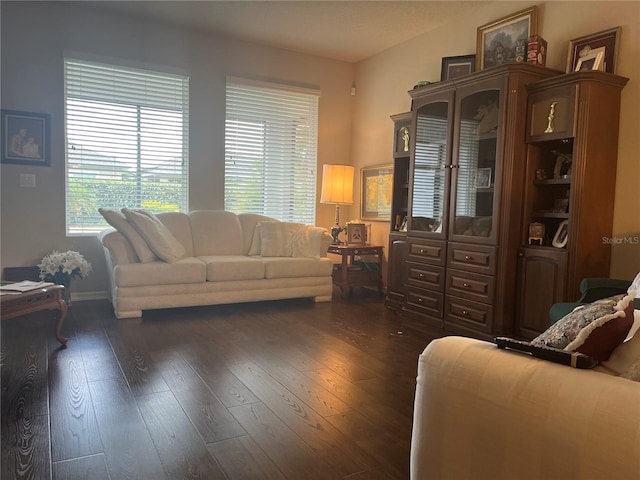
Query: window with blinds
{"x":271,"y":136}
{"x":126,"y":141}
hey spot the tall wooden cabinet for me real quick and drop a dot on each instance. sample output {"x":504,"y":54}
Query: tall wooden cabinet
{"x":571,"y":153}
{"x":466,"y":177}
{"x":397,"y":252}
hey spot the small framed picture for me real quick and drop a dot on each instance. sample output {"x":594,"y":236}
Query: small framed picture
{"x":483,"y":180}
{"x":594,"y":60}
{"x":25,"y":138}
{"x":562,"y":234}
{"x":583,"y":46}
{"x":506,"y":40}
{"x":356,"y":233}
{"x":454,"y":67}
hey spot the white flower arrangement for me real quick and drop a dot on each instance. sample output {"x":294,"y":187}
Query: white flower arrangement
{"x":61,"y":267}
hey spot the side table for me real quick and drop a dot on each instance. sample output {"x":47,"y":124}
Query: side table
{"x":353,"y":272}
{"x":47,"y":298}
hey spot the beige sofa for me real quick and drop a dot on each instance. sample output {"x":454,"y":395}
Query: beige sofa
{"x":485,"y":413}
{"x":222,"y":258}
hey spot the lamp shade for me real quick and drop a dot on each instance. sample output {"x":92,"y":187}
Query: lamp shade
{"x":337,"y":184}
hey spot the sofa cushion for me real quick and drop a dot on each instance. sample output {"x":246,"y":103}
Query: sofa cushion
{"x":156,"y":234}
{"x":118,"y":221}
{"x":186,"y":270}
{"x":233,"y":267}
{"x":595,"y":329}
{"x":291,"y":267}
{"x":216,"y":232}
{"x":276,"y":238}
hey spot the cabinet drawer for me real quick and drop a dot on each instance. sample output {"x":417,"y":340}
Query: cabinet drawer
{"x":551,"y":114}
{"x":425,"y":276}
{"x":472,"y":258}
{"x":427,"y":251}
{"x":467,"y":313}
{"x":426,"y":302}
{"x":472,"y":286}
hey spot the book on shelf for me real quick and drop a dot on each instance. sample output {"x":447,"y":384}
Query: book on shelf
{"x":20,"y":287}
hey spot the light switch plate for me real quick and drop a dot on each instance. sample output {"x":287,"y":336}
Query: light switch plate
{"x":28,"y":180}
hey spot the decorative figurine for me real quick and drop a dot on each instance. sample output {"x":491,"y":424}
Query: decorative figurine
{"x":552,"y":115}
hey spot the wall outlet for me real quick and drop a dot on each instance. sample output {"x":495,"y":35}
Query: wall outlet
{"x":28,"y":180}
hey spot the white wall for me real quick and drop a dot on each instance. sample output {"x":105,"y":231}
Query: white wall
{"x":383,"y":82}
{"x":34,"y":36}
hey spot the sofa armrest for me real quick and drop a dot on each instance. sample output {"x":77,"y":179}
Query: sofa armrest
{"x":117,"y":247}
{"x":482,"y":412}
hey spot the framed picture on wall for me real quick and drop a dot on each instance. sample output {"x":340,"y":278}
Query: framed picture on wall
{"x":376,"y":192}
{"x":506,"y":40}
{"x":26,"y":138}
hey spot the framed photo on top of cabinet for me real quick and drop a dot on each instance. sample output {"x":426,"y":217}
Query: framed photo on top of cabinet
{"x":506,"y":40}
{"x":25,"y":138}
{"x":584,"y":46}
{"x":376,"y":188}
{"x":594,"y":60}
{"x":454,"y":67}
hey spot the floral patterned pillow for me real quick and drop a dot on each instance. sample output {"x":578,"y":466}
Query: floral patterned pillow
{"x":595,"y":329}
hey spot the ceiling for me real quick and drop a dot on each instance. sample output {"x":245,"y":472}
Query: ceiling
{"x":341,"y":29}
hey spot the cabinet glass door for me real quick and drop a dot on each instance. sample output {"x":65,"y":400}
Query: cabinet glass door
{"x":475,"y":165}
{"x":430,"y":168}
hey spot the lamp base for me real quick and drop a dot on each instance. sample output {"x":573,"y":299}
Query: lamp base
{"x":335,"y":233}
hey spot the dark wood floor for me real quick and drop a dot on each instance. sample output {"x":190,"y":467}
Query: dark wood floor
{"x":273,"y":390}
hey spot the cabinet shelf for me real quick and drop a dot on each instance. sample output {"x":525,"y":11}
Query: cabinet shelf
{"x":553,"y":181}
{"x":543,"y":214}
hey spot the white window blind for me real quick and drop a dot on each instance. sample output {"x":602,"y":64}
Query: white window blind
{"x":126,"y":141}
{"x":271,"y":137}
{"x":468,"y":168}
{"x":429,"y":173}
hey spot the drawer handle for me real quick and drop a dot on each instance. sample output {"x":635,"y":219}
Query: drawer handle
{"x":465,"y":313}
{"x":466,"y":285}
{"x":468,"y":258}
{"x":420,"y":300}
{"x":422,"y":250}
{"x":421,"y":275}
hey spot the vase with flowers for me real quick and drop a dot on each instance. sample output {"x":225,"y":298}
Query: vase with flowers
{"x":61,"y":267}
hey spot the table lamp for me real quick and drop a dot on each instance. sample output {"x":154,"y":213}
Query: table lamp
{"x":337,"y":188}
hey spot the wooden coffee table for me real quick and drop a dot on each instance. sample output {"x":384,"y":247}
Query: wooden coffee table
{"x":47,"y":298}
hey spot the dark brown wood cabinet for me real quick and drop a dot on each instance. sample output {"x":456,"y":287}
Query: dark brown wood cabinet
{"x":398,"y":247}
{"x":541,"y":283}
{"x":569,"y":191}
{"x":466,"y":177}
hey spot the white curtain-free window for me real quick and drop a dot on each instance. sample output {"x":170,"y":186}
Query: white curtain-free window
{"x":271,"y":137}
{"x":126,"y":141}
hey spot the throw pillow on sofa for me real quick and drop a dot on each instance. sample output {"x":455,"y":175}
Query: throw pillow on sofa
{"x":276,"y":238}
{"x":594,"y":330}
{"x":625,"y":359}
{"x":158,"y":237}
{"x":118,"y":221}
